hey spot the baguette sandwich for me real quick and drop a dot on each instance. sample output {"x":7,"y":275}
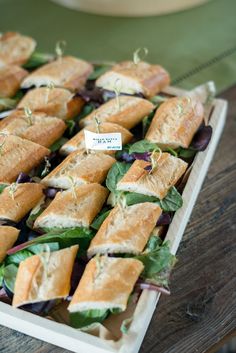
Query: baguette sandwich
{"x":135,"y":78}
{"x":10,"y":80}
{"x":57,"y":102}
{"x":125,"y":111}
{"x":175,"y":122}
{"x":18,"y":155}
{"x":16,"y":200}
{"x":80,"y":168}
{"x":15,"y":48}
{"x":126,"y":230}
{"x":8,"y":236}
{"x":44,"y":277}
{"x":68,"y":72}
{"x":75,"y":207}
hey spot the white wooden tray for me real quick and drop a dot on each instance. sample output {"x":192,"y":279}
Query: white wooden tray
{"x":77,"y":341}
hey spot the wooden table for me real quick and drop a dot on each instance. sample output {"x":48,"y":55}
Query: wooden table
{"x":201,"y":312}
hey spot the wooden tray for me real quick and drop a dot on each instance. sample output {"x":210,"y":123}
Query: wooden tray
{"x":77,"y":341}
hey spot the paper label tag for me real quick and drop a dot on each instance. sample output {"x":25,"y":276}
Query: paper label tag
{"x":110,"y":141}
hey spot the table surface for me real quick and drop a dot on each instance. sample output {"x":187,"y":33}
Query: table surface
{"x":200,"y":313}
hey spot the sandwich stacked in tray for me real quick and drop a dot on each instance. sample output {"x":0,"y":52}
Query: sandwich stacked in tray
{"x":79,"y":227}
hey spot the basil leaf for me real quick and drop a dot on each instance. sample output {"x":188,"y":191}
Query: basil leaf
{"x":172,"y":202}
{"x":133,"y":198}
{"x":2,"y":187}
{"x":96,"y":224}
{"x":57,"y":145}
{"x":1,"y":274}
{"x":142,"y":146}
{"x":64,"y":237}
{"x":37,"y":59}
{"x":87,"y":317}
{"x":18,"y":257}
{"x":9,"y":276}
{"x":98,"y":71}
{"x":157,"y":264}
{"x":115,"y":174}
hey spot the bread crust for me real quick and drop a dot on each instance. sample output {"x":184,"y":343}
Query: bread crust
{"x":126,"y":230}
{"x":80,"y":206}
{"x":106,"y":283}
{"x":17,"y":200}
{"x":77,"y":143}
{"x":44,"y":277}
{"x":39,"y":128}
{"x":57,"y":102}
{"x":80,"y":168}
{"x":15,"y":48}
{"x":10,"y":79}
{"x":175,"y":122}
{"x":8,"y":236}
{"x":68,"y":72}
{"x":169,"y":170}
{"x":127,"y":111}
{"x":136,"y":78}
{"x":18,"y":155}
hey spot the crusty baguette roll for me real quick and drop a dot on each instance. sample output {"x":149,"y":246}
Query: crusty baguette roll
{"x":68,"y":72}
{"x":16,"y":200}
{"x":39,"y":127}
{"x":15,"y":48}
{"x":80,"y":168}
{"x":125,"y":111}
{"x":106,"y":284}
{"x":157,"y":183}
{"x":75,"y":207}
{"x":77,"y":143}
{"x":44,"y":277}
{"x":8,"y":237}
{"x":126,"y":230}
{"x":57,"y":102}
{"x":135,"y":78}
{"x":175,"y":122}
{"x":18,"y":155}
{"x":10,"y":79}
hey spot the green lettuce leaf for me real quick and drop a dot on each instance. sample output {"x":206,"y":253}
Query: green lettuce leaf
{"x":1,"y":274}
{"x":172,"y":202}
{"x":142,"y":146}
{"x":88,"y":317}
{"x":57,"y":144}
{"x":115,"y":174}
{"x":70,"y":126}
{"x":98,"y":71}
{"x":2,"y":187}
{"x":9,"y":276}
{"x":37,"y":59}
{"x":96,"y":224}
{"x":18,"y":257}
{"x":158,"y":262}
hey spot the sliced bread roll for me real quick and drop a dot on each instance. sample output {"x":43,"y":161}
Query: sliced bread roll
{"x":10,"y":79}
{"x":44,"y":277}
{"x":68,"y":72}
{"x":80,"y":168}
{"x":39,"y":127}
{"x":77,"y":143}
{"x":106,"y":284}
{"x":16,"y":200}
{"x":126,"y":230}
{"x":168,"y":171}
{"x":125,"y":111}
{"x":57,"y":102}
{"x":8,"y":236}
{"x":175,"y":122}
{"x":75,"y":207}
{"x":18,"y":155}
{"x":134,"y":78}
{"x":15,"y":48}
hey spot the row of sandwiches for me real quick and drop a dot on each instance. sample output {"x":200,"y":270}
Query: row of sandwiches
{"x":40,"y":119}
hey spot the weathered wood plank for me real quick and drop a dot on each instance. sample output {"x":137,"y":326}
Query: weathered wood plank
{"x":201,"y":310}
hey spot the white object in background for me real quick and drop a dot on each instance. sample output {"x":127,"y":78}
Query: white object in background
{"x":130,"y":8}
